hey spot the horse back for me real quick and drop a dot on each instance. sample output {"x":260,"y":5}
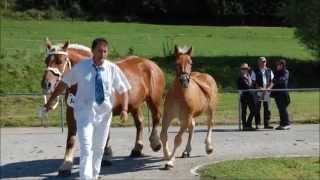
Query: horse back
{"x":146,"y":79}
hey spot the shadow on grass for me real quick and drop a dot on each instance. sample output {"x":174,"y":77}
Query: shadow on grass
{"x":225,"y":69}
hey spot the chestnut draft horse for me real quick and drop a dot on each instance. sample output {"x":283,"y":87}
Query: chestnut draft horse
{"x":191,"y":95}
{"x":147,"y":81}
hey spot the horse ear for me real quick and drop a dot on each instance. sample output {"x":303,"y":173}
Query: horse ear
{"x":48,"y":43}
{"x":65,"y":46}
{"x":176,"y":50}
{"x":189,"y":52}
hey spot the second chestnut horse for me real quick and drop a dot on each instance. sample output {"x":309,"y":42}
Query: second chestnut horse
{"x":191,"y":95}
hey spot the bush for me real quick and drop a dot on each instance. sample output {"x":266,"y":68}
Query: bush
{"x":53,"y":13}
{"x":34,"y":14}
{"x":304,"y":15}
{"x":75,"y":12}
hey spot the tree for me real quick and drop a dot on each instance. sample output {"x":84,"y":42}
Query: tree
{"x":305,"y":16}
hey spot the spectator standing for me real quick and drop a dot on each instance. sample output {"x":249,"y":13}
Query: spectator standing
{"x":247,"y":98}
{"x":282,"y":98}
{"x":262,"y":78}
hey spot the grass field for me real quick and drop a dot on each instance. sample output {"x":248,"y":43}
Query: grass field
{"x":22,"y":111}
{"x":217,"y":50}
{"x":263,"y":169}
{"x":147,"y":40}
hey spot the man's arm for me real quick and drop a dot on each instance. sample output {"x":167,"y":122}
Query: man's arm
{"x":58,"y":90}
{"x":124,"y":103}
{"x":122,"y":86}
{"x":271,"y":83}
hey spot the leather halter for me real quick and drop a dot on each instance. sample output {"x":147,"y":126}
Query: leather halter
{"x":56,"y":71}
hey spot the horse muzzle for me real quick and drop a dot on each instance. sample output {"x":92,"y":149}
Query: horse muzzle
{"x":46,"y":87}
{"x":184,"y":80}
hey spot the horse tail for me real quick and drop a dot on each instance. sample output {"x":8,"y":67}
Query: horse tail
{"x":157,"y":82}
{"x":214,"y":99}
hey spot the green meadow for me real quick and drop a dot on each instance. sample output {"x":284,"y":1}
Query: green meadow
{"x":217,"y":50}
{"x":263,"y":169}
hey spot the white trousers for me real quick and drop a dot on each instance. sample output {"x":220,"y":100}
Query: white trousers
{"x":93,"y":133}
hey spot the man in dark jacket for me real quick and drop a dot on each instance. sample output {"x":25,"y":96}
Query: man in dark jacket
{"x":262,"y":78}
{"x":282,"y":98}
{"x":247,"y":98}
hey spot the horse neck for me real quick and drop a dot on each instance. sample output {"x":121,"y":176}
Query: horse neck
{"x":75,"y":55}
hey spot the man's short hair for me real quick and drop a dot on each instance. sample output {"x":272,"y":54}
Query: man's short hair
{"x":261,"y":59}
{"x":96,"y":41}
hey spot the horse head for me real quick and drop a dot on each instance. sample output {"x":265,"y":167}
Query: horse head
{"x":57,"y":64}
{"x":183,"y":65}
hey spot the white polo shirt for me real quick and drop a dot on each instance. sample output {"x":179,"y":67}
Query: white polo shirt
{"x":83,"y":74}
{"x":264,"y":77}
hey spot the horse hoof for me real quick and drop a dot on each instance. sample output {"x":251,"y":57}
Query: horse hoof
{"x":168,"y":166}
{"x":185,"y":155}
{"x":64,"y":173}
{"x":209,"y":150}
{"x":157,"y":148}
{"x":105,"y":163}
{"x":135,"y":153}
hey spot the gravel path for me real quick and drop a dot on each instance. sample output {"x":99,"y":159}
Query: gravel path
{"x":36,"y":153}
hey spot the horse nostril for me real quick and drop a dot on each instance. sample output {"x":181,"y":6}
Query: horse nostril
{"x":46,"y":85}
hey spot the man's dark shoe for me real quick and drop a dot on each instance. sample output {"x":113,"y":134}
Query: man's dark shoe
{"x":268,"y":127}
{"x":249,"y":128}
{"x":283,"y":127}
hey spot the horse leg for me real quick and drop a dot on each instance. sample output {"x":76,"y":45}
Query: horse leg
{"x":167,"y":118}
{"x":66,"y":166}
{"x":154,"y":138}
{"x":138,"y":121}
{"x":186,"y":152}
{"x":177,"y":143}
{"x":107,"y":155}
{"x":209,"y":148}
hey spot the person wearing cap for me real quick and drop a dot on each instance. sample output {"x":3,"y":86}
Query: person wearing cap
{"x":247,"y":98}
{"x":262,"y":78}
{"x":282,"y":98}
{"x":96,"y":78}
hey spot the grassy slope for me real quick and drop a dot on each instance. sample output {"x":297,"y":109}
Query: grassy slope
{"x":219,"y":50}
{"x":147,"y":39}
{"x":270,"y":168}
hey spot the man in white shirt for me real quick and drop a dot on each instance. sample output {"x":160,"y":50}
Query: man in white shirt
{"x":262,"y":78}
{"x":96,"y":80}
